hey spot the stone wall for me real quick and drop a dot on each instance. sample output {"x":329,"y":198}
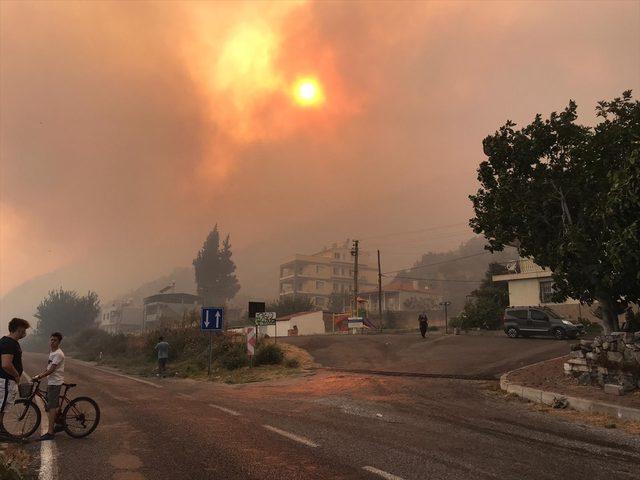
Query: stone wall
{"x":610,"y":361}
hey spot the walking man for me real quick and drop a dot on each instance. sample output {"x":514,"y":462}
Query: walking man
{"x":10,"y":366}
{"x":55,"y":374}
{"x":424,"y":323}
{"x":162,"y":348}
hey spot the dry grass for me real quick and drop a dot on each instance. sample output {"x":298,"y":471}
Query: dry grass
{"x":13,"y":462}
{"x":593,"y":419}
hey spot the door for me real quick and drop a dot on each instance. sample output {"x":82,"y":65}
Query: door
{"x":539,"y":322}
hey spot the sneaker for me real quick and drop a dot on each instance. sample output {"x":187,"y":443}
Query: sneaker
{"x":47,"y":436}
{"x":58,"y":427}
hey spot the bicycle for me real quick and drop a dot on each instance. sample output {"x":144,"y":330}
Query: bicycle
{"x":78,"y":417}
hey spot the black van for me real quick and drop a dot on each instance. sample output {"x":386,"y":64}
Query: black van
{"x":529,"y":321}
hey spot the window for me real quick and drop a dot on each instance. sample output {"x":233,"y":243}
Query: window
{"x":336,"y":270}
{"x":319,"y":284}
{"x":538,"y":315}
{"x":318,"y":268}
{"x":336,"y":255}
{"x":336,"y":287}
{"x":546,"y":291}
{"x":519,"y":314}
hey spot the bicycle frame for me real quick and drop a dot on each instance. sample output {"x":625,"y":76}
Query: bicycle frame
{"x":42,"y":395}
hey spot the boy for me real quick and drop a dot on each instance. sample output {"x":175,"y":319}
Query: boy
{"x":55,"y":372}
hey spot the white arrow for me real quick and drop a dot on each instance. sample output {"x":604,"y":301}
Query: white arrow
{"x":217,"y":318}
{"x":206,"y":319}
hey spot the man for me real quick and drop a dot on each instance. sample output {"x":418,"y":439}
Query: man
{"x":424,"y":323}
{"x":55,"y":372}
{"x":162,"y":348}
{"x":10,"y":365}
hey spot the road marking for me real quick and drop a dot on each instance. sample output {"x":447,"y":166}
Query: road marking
{"x":226,"y":410}
{"x":184,"y":395}
{"x":292,"y":436}
{"x":48,"y":450}
{"x":146,"y":382}
{"x":382,"y":473}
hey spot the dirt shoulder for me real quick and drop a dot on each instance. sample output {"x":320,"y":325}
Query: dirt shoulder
{"x":549,"y":376}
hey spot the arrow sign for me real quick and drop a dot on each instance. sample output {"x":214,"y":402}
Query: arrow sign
{"x":212,"y":318}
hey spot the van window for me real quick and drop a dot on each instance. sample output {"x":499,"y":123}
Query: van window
{"x":519,"y":314}
{"x":538,"y":315}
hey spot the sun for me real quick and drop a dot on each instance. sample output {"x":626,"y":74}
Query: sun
{"x":307,"y":92}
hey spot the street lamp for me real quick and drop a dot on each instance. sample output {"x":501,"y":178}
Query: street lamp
{"x":445,"y":304}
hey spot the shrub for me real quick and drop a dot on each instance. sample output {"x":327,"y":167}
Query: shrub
{"x":292,"y":363}
{"x":233,"y":357}
{"x":268,"y":354}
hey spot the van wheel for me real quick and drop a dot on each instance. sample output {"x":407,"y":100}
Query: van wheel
{"x":558,"y":333}
{"x":512,"y":332}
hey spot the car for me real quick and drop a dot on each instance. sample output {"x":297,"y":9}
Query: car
{"x":530,"y":321}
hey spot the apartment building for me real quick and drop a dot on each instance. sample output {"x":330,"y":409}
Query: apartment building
{"x":328,"y":271}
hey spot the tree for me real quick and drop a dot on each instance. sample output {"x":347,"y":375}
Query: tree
{"x":291,"y":304}
{"x":338,"y":302}
{"x":569,"y":196}
{"x":214,"y":271}
{"x":67,"y":312}
{"x":489,"y":301}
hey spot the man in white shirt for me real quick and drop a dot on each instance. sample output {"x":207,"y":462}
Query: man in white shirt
{"x":55,"y":372}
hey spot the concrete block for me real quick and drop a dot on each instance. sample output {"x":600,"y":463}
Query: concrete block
{"x":612,"y":389}
{"x":577,"y":361}
{"x":591,"y":355}
{"x":577,"y":354}
{"x":615,"y":357}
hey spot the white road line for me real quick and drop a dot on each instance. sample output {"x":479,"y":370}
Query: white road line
{"x":48,"y":450}
{"x":146,"y":382}
{"x":292,"y":436}
{"x":225,"y":410}
{"x":382,"y":473}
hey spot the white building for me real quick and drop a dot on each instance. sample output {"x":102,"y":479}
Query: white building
{"x":121,"y":318}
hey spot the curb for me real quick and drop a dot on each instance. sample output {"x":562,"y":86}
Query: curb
{"x":581,"y":404}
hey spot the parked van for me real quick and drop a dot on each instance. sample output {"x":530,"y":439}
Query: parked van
{"x":530,"y":321}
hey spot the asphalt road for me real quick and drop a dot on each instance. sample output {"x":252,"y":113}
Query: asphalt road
{"x":323,"y":426}
{"x":486,"y":355}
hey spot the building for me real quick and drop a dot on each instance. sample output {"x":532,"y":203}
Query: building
{"x":121,"y":318}
{"x":167,"y":308}
{"x":401,"y":296}
{"x":305,"y":323}
{"x":328,"y":271}
{"x":532,"y":285}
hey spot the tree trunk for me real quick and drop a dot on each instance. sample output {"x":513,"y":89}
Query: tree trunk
{"x":609,"y":315}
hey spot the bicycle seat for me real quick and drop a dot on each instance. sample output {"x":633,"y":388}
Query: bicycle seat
{"x":69,"y":385}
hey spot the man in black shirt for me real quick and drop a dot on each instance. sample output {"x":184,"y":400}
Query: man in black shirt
{"x":424,"y":323}
{"x":11,"y":364}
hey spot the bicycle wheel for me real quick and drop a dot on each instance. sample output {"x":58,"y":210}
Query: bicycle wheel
{"x":81,"y":417}
{"x":22,"y":419}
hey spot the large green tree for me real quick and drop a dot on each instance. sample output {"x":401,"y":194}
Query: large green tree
{"x":486,"y":306}
{"x":214,"y":270}
{"x":67,"y":312}
{"x":569,"y":196}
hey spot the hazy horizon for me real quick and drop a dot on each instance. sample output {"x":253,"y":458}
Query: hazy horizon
{"x":127,"y":130}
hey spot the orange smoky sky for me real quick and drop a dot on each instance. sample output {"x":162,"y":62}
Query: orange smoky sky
{"x":128,"y":129}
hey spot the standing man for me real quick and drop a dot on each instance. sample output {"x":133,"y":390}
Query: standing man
{"x":424,"y":323}
{"x":11,"y":365}
{"x":55,"y":372}
{"x":162,"y":348}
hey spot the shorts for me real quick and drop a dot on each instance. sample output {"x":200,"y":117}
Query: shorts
{"x":53,"y":397}
{"x":8,"y":393}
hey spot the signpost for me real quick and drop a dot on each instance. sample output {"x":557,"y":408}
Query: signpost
{"x":212,"y":319}
{"x":251,"y":343}
{"x":355,"y":323}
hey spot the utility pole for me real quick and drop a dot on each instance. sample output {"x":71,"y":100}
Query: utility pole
{"x":355,"y":251}
{"x":379,"y":290}
{"x":445,"y":304}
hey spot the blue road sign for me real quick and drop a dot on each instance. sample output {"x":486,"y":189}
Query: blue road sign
{"x":212,"y":318}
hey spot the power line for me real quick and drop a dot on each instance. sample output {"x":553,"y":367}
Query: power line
{"x":439,"y":263}
{"x":437,"y":227}
{"x":452,"y":280}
